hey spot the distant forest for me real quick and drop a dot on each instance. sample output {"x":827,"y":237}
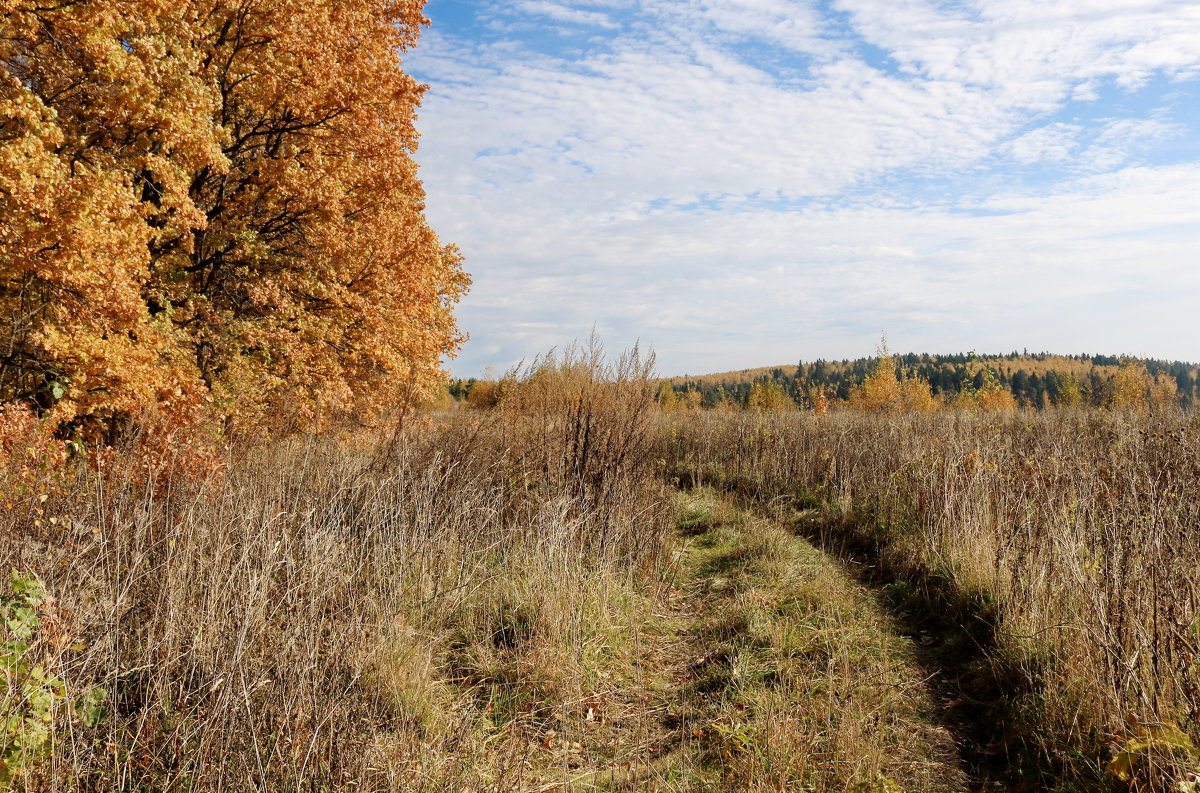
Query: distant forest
{"x":1035,"y":380}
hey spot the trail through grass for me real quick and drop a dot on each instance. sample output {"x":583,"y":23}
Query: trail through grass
{"x":769,"y":668}
{"x":984,"y":696}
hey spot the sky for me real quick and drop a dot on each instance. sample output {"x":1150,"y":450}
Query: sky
{"x":738,"y":183}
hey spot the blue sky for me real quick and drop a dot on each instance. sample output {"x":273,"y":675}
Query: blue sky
{"x":739,"y":183}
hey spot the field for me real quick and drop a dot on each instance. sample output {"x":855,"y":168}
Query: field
{"x":1052,"y":556}
{"x":574,"y":590}
{"x":255,"y":538}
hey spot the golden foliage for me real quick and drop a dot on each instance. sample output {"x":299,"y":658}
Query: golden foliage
{"x":994,"y":398}
{"x":1133,"y":389}
{"x":767,"y":397}
{"x":485,"y":394}
{"x":990,"y":397}
{"x":690,"y":399}
{"x":880,"y":391}
{"x":667,"y":401}
{"x":1129,"y":388}
{"x":212,"y":208}
{"x":818,"y":397}
{"x":1070,"y":392}
{"x":1164,"y":391}
{"x":884,"y":392}
{"x":916,"y":396}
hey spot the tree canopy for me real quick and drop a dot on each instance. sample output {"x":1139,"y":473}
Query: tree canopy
{"x":210,"y":209}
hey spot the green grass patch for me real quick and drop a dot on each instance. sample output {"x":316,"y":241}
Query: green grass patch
{"x":798,"y":679}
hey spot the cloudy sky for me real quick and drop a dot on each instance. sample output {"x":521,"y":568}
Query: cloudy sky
{"x":749,"y":182}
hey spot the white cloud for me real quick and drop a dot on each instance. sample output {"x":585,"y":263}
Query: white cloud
{"x":671,"y":182}
{"x":562,"y":13}
{"x":793,"y":24}
{"x":1121,"y":139}
{"x":1051,"y":143}
{"x":1032,"y":50}
{"x":726,"y":289}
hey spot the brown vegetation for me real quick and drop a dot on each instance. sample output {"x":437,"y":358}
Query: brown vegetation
{"x":340,"y":613}
{"x":493,"y":599}
{"x":1072,"y":532}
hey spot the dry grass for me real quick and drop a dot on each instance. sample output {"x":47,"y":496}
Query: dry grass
{"x":337,"y":614}
{"x":496,"y":600}
{"x":794,"y":678}
{"x":1075,"y":532}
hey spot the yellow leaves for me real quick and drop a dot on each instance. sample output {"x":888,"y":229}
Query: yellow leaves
{"x":916,"y":396}
{"x":882,"y":391}
{"x":1154,"y":750}
{"x":181,"y":216}
{"x":1133,"y":389}
{"x":767,"y":396}
{"x":1129,"y":387}
{"x":994,"y":399}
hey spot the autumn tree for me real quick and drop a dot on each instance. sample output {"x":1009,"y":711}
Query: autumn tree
{"x":993,"y":398}
{"x":667,"y":401}
{"x":486,"y":393}
{"x":884,"y":390}
{"x":1133,"y":389}
{"x":879,"y":392}
{"x":1070,"y":392}
{"x":691,"y":399}
{"x":211,"y":209}
{"x":982,"y":390}
{"x":767,"y":396}
{"x":818,"y":398}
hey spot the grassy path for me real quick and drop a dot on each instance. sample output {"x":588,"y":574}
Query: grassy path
{"x":985,"y":699}
{"x":768,"y":668}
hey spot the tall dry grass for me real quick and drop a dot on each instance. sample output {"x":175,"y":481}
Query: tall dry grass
{"x":1077,"y":533}
{"x":349,"y":613}
{"x":444,"y":608}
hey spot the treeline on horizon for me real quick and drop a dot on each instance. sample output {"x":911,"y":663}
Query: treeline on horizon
{"x":1033,"y":380}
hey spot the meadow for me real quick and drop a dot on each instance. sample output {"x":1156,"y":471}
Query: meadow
{"x":253,"y":540}
{"x":573,"y":589}
{"x":1062,"y":543}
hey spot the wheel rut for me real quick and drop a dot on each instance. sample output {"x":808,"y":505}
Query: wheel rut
{"x":982,"y":700}
{"x":785,"y":671}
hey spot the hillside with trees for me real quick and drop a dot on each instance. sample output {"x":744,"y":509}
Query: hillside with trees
{"x":1035,"y":380}
{"x":254,"y":541}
